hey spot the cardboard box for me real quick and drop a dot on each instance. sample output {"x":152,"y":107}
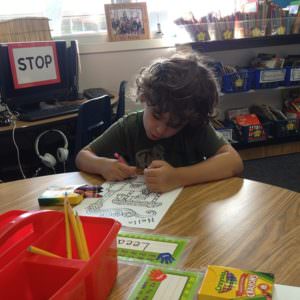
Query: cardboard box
{"x":249,"y":128}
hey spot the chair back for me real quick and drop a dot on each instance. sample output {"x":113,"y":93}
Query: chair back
{"x":94,"y":117}
{"x":121,"y":102}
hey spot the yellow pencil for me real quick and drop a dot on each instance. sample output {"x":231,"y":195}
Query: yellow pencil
{"x":83,"y":238}
{"x":40,"y":251}
{"x":76,"y":232}
{"x":67,"y":226}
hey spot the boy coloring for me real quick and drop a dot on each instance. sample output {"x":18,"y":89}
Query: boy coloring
{"x":171,"y":140}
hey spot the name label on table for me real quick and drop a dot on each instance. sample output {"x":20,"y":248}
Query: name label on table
{"x":150,"y":248}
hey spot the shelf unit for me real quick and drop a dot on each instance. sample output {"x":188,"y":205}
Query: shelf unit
{"x":240,"y":52}
{"x":246,"y":43}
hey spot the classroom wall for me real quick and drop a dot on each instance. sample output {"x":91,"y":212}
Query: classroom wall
{"x":110,"y":68}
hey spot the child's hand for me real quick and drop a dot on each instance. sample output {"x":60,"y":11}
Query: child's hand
{"x":160,"y":177}
{"x":113,"y":170}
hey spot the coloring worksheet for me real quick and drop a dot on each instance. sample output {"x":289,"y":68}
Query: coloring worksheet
{"x":129,"y":202}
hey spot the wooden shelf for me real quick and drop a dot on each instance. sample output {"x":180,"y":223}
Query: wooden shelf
{"x":268,"y":150}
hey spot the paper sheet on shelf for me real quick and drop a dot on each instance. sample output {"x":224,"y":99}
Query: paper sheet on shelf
{"x":129,"y":202}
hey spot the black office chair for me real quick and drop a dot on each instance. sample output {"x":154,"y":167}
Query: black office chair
{"x":94,"y":117}
{"x":121,"y":102}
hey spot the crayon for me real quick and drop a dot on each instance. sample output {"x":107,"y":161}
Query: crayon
{"x":120,"y":158}
{"x":86,"y":187}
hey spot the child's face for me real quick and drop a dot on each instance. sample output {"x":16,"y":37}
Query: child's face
{"x":156,"y":126}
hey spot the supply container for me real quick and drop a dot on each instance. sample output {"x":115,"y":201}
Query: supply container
{"x":25,"y":275}
{"x":292,"y":76}
{"x":240,"y":81}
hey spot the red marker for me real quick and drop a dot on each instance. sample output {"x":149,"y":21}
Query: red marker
{"x":120,"y":158}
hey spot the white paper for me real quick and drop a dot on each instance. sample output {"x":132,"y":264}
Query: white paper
{"x":285,"y":292}
{"x":171,"y":288}
{"x":129,"y":202}
{"x":142,"y":245}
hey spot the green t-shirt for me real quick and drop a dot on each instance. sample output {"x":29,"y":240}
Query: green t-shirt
{"x":128,"y":138}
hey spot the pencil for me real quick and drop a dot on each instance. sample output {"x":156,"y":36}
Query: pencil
{"x":40,"y":251}
{"x":67,"y":226}
{"x":76,"y":232}
{"x":82,"y":236}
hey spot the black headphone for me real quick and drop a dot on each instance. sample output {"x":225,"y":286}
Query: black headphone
{"x":48,"y":159}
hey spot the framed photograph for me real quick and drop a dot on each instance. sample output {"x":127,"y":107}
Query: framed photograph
{"x":127,"y":21}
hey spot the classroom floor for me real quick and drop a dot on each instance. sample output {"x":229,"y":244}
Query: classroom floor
{"x":283,"y":171}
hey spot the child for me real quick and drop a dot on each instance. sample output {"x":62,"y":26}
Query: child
{"x":171,"y":140}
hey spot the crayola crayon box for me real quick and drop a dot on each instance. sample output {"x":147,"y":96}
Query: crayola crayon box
{"x":228,"y":283}
{"x":55,"y":195}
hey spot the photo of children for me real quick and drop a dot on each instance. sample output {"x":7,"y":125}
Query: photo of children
{"x":127,"y":21}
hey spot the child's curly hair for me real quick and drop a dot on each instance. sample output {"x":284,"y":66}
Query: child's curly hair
{"x":182,"y":86}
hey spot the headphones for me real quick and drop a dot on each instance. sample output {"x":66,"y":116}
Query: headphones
{"x":48,"y":159}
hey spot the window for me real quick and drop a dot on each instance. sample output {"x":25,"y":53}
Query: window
{"x":66,"y":16}
{"x":69,"y":17}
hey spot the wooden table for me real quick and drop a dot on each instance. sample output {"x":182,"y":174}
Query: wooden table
{"x":234,"y":222}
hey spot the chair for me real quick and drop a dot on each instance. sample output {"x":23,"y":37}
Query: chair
{"x":121,"y":102}
{"x":94,"y":117}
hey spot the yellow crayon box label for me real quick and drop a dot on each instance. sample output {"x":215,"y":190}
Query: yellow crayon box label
{"x":229,"y":283}
{"x":55,"y":195}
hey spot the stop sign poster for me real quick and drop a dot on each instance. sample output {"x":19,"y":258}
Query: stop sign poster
{"x":33,"y":64}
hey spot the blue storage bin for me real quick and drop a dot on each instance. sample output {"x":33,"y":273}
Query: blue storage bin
{"x":240,"y":81}
{"x":292,"y":127}
{"x":284,"y":128}
{"x":292,"y":76}
{"x":269,"y":78}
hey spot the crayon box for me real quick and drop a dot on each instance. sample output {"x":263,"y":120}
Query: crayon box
{"x":55,"y":195}
{"x":229,"y":283}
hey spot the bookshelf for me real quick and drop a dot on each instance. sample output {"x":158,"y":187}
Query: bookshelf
{"x":240,"y":52}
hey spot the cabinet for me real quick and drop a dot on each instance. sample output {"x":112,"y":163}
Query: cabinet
{"x":239,"y":52}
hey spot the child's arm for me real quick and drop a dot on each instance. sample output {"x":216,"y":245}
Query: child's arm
{"x":110,"y":169}
{"x":162,"y":177}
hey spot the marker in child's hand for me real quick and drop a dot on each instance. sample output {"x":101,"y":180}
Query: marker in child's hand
{"x":120,"y":158}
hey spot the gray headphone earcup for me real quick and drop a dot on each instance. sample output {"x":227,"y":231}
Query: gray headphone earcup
{"x":62,"y":154}
{"x":48,"y":160}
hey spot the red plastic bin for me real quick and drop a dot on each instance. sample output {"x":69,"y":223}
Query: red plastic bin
{"x":24,"y":275}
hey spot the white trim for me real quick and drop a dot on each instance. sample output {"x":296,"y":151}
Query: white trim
{"x":96,"y":43}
